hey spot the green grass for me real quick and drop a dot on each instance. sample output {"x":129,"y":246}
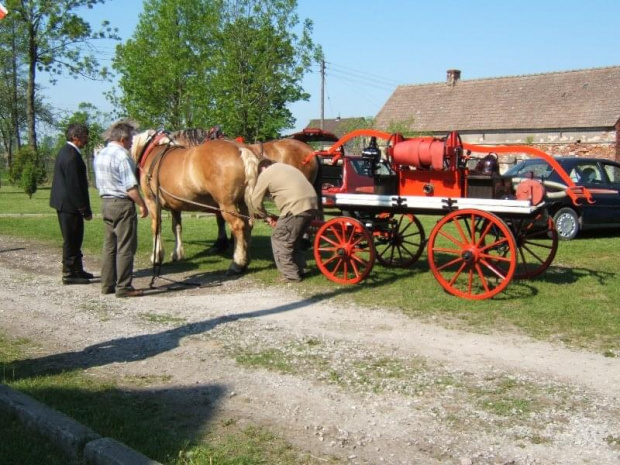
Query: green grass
{"x":575,"y":301}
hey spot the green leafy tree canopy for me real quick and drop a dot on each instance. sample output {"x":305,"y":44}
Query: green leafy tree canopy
{"x":196,"y":63}
{"x":57,"y":40}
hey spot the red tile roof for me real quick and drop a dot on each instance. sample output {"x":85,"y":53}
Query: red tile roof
{"x":588,"y":98}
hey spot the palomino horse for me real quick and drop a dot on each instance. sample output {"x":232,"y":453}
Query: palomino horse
{"x":217,"y":176}
{"x":290,"y":151}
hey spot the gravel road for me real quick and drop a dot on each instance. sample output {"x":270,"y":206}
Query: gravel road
{"x":364,"y":386}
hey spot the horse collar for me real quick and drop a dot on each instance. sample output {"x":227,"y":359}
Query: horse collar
{"x":149,"y":147}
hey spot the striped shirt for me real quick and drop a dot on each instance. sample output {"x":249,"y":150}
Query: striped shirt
{"x":114,"y":171}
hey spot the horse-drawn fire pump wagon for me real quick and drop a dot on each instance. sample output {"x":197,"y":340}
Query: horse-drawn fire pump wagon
{"x":490,"y":230}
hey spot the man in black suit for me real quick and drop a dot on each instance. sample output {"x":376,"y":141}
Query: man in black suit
{"x":69,"y":196}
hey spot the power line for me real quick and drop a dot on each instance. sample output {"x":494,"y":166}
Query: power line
{"x":364,"y":82}
{"x":372,"y":100}
{"x":363,"y":74}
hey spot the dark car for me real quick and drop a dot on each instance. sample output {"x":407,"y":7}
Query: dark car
{"x":600,"y":176}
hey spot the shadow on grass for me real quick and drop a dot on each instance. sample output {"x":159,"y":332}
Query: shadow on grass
{"x":158,"y":422}
{"x":565,"y":275}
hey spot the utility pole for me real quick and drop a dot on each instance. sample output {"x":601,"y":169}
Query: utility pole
{"x":322,"y":93}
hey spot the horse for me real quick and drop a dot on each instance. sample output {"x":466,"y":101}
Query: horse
{"x":290,"y":151}
{"x":217,"y":176}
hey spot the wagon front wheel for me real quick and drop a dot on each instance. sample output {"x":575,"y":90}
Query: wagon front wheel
{"x":472,"y":254}
{"x":344,"y":251}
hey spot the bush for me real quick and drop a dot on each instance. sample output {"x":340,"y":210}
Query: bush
{"x":28,"y":181}
{"x":27,"y":157}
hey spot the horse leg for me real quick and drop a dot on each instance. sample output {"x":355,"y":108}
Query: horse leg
{"x":240,"y":229}
{"x":177,"y":229}
{"x":222,"y":243}
{"x":157,"y":256}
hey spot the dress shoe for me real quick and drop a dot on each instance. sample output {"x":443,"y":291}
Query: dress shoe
{"x":284,"y":279}
{"x":107,"y":290}
{"x":74,"y":279}
{"x":84,"y":274}
{"x":122,"y":293}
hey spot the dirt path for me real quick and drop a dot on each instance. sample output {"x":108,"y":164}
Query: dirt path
{"x":362,"y":385}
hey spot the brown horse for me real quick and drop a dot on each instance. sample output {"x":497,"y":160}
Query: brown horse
{"x":289,"y":151}
{"x":218,"y":176}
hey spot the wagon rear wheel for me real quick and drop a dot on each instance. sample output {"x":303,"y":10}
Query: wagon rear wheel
{"x":472,"y":253}
{"x":400,"y":242}
{"x":537,"y":241}
{"x":344,"y":251}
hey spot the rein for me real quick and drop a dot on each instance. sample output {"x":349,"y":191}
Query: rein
{"x":209,"y":207}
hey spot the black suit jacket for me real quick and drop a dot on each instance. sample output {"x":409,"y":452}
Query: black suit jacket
{"x":70,"y":185}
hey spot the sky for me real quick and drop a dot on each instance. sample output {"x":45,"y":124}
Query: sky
{"x":372,"y":46}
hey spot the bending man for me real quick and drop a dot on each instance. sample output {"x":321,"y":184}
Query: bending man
{"x":296,"y":199}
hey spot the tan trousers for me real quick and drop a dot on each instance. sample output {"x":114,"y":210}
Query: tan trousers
{"x":120,"y":243}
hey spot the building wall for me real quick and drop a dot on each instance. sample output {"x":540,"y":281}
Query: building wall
{"x":584,"y":136}
{"x":598,"y":143}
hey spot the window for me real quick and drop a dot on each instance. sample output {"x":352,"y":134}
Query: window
{"x":613,"y":173}
{"x":589,"y":173}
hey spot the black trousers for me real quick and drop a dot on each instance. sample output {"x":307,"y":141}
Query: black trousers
{"x":72,"y":229}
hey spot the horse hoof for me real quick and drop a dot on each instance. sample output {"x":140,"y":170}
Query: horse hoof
{"x":235,"y":270}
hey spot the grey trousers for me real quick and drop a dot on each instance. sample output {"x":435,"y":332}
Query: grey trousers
{"x":120,"y":243}
{"x":286,"y":243}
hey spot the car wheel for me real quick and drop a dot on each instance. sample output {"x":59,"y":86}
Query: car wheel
{"x":567,"y":223}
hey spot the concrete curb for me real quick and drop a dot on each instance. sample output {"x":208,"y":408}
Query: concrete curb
{"x":73,"y":438}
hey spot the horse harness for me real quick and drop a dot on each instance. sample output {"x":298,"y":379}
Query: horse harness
{"x":148,"y":148}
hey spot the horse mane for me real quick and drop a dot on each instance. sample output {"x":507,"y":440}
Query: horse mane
{"x":138,"y":143}
{"x":143,"y":138}
{"x":190,"y":137}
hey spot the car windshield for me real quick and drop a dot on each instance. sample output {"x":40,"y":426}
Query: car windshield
{"x":538,"y":168}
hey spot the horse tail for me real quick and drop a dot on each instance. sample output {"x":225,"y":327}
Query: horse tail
{"x":250,"y":164}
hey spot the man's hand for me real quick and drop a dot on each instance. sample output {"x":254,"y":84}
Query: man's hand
{"x":271,"y":220}
{"x":144,"y":212}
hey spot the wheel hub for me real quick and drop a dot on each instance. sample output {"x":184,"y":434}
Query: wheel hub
{"x":470,"y":256}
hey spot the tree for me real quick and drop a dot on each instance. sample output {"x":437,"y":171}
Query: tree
{"x":12,"y":86}
{"x":56,"y":38}
{"x":236,"y":63}
{"x":261,"y":62}
{"x":28,"y":180}
{"x":164,"y":67}
{"x":27,"y":168}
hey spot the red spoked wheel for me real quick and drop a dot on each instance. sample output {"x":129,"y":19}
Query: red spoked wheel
{"x":399,"y":241}
{"x":472,"y":253}
{"x":344,"y":251}
{"x":537,"y":241}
